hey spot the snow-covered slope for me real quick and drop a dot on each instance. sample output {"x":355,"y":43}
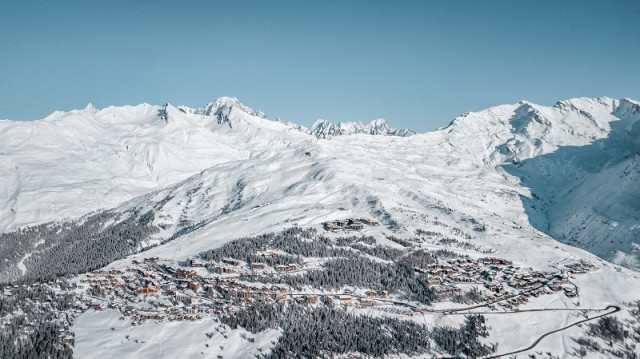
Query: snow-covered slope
{"x":580,"y":160}
{"x":74,"y":162}
{"x":50,"y":166}
{"x":589,"y":196}
{"x":524,"y":130}
{"x":326,"y":129}
{"x":71,"y":163}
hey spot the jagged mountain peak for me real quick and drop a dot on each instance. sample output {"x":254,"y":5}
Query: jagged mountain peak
{"x":91,"y":108}
{"x":325,"y":129}
{"x":228,"y":101}
{"x":225,"y":105}
{"x":515,"y":132}
{"x":588,"y":102}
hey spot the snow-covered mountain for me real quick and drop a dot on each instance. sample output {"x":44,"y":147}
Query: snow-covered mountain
{"x":580,"y":160}
{"x":326,"y":129}
{"x":223,"y":109}
{"x":49,"y":167}
{"x":118,"y":153}
{"x":525,"y":182}
{"x":588,"y":195}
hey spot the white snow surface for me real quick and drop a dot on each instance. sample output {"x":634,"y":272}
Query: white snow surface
{"x":71,"y":163}
{"x":565,"y":156}
{"x":104,"y":335}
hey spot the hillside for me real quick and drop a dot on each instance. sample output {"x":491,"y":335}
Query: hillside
{"x":505,"y":183}
{"x":50,"y":166}
{"x":562,"y":155}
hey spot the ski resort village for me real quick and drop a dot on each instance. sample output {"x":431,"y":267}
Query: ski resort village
{"x":303,"y":268}
{"x":155,"y":289}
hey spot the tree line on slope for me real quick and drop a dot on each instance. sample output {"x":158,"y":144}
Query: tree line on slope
{"x":615,"y":334}
{"x":363,"y":272}
{"x":349,"y":263}
{"x":465,"y":340}
{"x":312,"y":332}
{"x":38,"y":309}
{"x":322,"y":332}
{"x":295,"y":242}
{"x":74,"y":247}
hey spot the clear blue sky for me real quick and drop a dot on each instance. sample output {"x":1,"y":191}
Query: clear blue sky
{"x":418,"y":64}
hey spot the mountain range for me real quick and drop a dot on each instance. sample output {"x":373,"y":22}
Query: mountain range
{"x":563,"y":157}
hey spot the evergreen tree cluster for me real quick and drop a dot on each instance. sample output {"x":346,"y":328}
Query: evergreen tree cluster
{"x":445,"y":253}
{"x":464,"y":340}
{"x":348,"y":241}
{"x":418,"y":259}
{"x":634,"y":308}
{"x":22,"y":296}
{"x":74,"y":247}
{"x":43,"y":343}
{"x":40,"y":309}
{"x":382,"y":252}
{"x":312,"y":332}
{"x":467,"y":297}
{"x":15,"y":245}
{"x":363,"y":272}
{"x":452,"y":242}
{"x":612,"y":330}
{"x":608,"y":328}
{"x":400,"y":241}
{"x":296,"y":242}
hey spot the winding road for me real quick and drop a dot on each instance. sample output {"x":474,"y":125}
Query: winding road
{"x":614,"y":308}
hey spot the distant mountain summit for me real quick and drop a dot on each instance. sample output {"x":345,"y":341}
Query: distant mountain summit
{"x":326,"y":129}
{"x":223,"y":107}
{"x":91,"y":108}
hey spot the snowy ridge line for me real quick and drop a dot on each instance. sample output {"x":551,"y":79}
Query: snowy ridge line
{"x":326,"y":129}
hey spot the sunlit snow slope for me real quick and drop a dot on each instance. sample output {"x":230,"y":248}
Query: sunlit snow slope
{"x":580,"y":160}
{"x":74,"y":162}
